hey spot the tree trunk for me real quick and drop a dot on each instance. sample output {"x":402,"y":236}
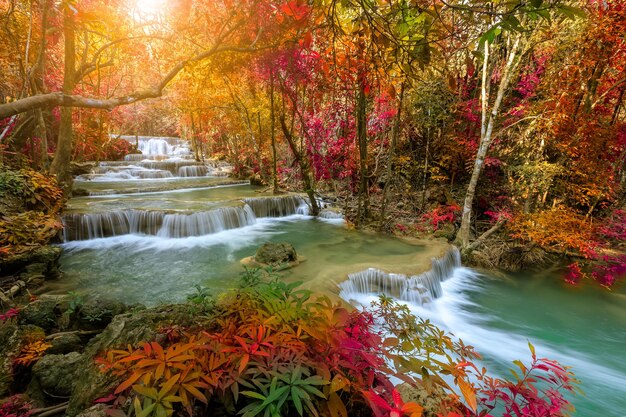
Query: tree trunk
{"x":486,"y":136}
{"x":392,"y":150}
{"x":62,"y":158}
{"x":304,"y":167}
{"x":361,"y":133}
{"x":273,"y":134}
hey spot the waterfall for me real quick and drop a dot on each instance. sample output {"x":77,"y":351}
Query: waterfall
{"x":276,"y":206}
{"x":418,"y":289}
{"x":151,"y":173}
{"x":155,"y":146}
{"x":330,"y":214}
{"x":155,"y":223}
{"x":207,"y":222}
{"x":114,"y":223}
{"x":193,"y":171}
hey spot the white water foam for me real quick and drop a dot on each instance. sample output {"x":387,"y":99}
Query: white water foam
{"x":454,"y":312}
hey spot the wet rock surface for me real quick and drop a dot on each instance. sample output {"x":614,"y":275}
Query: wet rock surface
{"x":276,"y":254}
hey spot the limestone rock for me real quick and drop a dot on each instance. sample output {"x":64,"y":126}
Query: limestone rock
{"x":40,"y":261}
{"x":65,"y":343}
{"x":42,"y":313}
{"x":12,"y":338}
{"x":125,"y":329}
{"x":57,"y":374}
{"x":97,"y":313}
{"x":95,"y":411}
{"x":276,"y":254}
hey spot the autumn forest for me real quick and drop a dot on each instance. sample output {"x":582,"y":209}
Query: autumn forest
{"x":150,"y":147}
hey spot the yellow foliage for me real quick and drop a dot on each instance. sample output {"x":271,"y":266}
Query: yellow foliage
{"x":32,"y":352}
{"x":557,"y":229}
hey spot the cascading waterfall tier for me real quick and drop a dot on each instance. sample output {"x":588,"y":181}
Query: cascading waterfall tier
{"x":155,"y":223}
{"x":79,"y":226}
{"x":277,"y":206}
{"x":194,"y":171}
{"x":417,"y":289}
{"x":206,"y":222}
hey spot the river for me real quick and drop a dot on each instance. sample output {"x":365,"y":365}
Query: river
{"x":154,"y":247}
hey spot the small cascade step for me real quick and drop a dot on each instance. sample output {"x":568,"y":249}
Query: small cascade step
{"x":194,"y":171}
{"x":277,"y":206}
{"x":417,"y":289}
{"x":206,"y":223}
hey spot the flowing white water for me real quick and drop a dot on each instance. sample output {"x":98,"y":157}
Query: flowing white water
{"x":465,"y":308}
{"x":85,"y":226}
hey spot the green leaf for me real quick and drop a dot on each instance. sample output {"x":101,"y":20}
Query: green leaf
{"x":146,"y":391}
{"x":313,"y":391}
{"x":490,"y":35}
{"x":571,"y":12}
{"x":295,"y":399}
{"x":274,"y":395}
{"x":253,"y":394}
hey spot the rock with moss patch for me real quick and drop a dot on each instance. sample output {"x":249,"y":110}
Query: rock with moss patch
{"x":12,"y":338}
{"x":42,"y":260}
{"x":56,"y":375}
{"x":276,"y":254}
{"x":65,"y":343}
{"x":42,"y":313}
{"x":97,"y":313}
{"x":446,"y":230}
{"x":125,"y":329}
{"x":98,"y":410}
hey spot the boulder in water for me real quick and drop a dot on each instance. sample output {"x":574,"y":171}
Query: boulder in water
{"x":276,"y":254}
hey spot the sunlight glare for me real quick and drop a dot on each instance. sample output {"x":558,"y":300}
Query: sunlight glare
{"x":150,"y":8}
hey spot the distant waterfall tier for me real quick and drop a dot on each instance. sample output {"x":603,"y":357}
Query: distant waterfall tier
{"x":277,"y":206}
{"x":178,"y":167}
{"x":417,"y":289}
{"x":169,"y":146}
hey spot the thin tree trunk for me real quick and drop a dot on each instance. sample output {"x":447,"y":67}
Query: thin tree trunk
{"x":273,"y":134}
{"x":463,"y":236}
{"x":62,"y":158}
{"x":361,"y":133}
{"x":194,"y":142}
{"x":392,"y":150}
{"x":304,"y":167}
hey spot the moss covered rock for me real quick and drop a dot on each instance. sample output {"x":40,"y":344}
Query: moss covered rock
{"x":276,"y":254}
{"x":125,"y":329}
{"x":57,"y":375}
{"x":41,"y":313}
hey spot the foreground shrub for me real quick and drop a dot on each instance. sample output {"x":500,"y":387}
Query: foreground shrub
{"x":29,"y":207}
{"x":271,"y":350}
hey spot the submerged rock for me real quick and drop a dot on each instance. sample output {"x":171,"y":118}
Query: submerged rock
{"x":276,"y":254}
